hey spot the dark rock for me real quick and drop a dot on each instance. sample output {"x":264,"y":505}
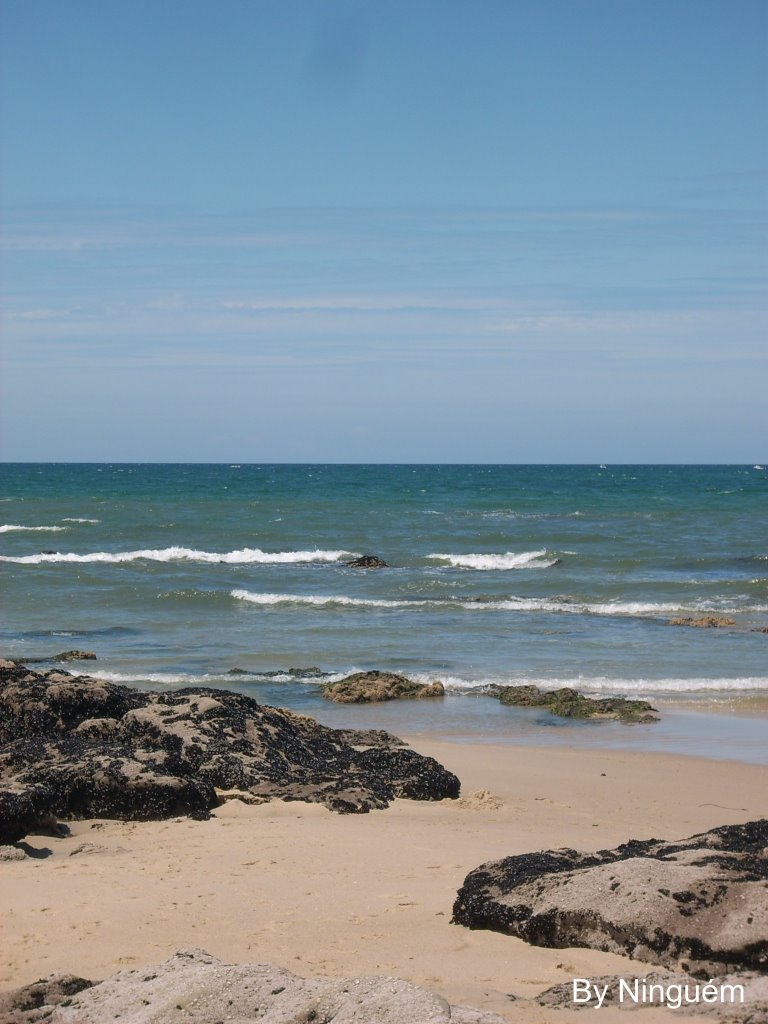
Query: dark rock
{"x":196,"y":988}
{"x":368,"y":562}
{"x":568,"y":703}
{"x":37,"y":1001}
{"x":77,"y":747}
{"x":704,"y":621}
{"x":74,"y":656}
{"x":371,"y":687}
{"x":703,"y":899}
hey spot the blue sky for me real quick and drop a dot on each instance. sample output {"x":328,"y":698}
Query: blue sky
{"x":521,"y":231}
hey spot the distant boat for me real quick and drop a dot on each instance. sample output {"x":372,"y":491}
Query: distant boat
{"x":603,"y":466}
{"x":758,"y":467}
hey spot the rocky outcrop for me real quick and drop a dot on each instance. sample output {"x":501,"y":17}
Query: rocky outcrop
{"x":704,"y":621}
{"x":78,"y":747}
{"x":568,"y":703}
{"x":371,"y":687}
{"x":75,"y":656}
{"x":195,"y":988}
{"x":720,"y":1000}
{"x":368,"y":562}
{"x":702,"y":900}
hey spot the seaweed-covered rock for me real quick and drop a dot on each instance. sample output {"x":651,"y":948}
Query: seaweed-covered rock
{"x":702,"y":899}
{"x":73,"y":746}
{"x":368,"y":562}
{"x":372,"y":687}
{"x":75,"y":656}
{"x":196,"y":988}
{"x":704,"y":621}
{"x":569,"y":703}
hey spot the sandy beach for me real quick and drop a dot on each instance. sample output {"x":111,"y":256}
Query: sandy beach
{"x":321,"y":893}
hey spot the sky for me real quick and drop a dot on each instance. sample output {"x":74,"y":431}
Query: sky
{"x":355,"y":231}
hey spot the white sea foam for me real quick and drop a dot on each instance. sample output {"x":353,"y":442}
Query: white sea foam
{"x":458,"y":684}
{"x":178,"y":554}
{"x":14,"y":528}
{"x":70,"y":520}
{"x":603,"y":684}
{"x":509,"y":560}
{"x":223,"y":680}
{"x":509,"y":604}
{"x":323,"y":601}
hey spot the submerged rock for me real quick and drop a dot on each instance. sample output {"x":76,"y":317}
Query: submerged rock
{"x":74,"y":656}
{"x":704,"y":621}
{"x":78,"y":747}
{"x":195,"y":988}
{"x":569,"y":703}
{"x":703,"y":900}
{"x":368,"y":562}
{"x":372,"y":687}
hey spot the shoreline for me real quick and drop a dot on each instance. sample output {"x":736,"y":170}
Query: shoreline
{"x":319,"y":893}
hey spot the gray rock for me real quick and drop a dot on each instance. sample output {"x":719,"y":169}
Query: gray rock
{"x":702,"y":900}
{"x":662,"y":989}
{"x":77,"y":747}
{"x":8,"y":853}
{"x":373,"y":687}
{"x":196,"y":988}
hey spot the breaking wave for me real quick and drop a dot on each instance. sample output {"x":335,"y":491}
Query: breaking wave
{"x":68,"y":519}
{"x":508,"y":604}
{"x":509,"y":560}
{"x":14,"y":528}
{"x":603,"y":684}
{"x":177,"y":554}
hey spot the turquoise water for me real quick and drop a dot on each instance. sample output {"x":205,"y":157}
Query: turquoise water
{"x":557,"y":575}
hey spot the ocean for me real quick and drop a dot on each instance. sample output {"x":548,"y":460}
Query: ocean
{"x":177,"y":575}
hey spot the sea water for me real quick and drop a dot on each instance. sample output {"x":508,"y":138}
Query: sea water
{"x":556,"y":575}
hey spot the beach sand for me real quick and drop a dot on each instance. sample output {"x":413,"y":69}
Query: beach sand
{"x":321,"y":893}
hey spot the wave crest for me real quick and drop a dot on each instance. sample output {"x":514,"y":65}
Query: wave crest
{"x":178,"y":554}
{"x":508,"y":560}
{"x":14,"y":528}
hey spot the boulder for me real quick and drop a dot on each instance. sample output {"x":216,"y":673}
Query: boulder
{"x":194,"y":987}
{"x":75,"y":656}
{"x":368,"y":562}
{"x":569,"y":703}
{"x":78,"y":747}
{"x":372,"y":687}
{"x":702,"y":900}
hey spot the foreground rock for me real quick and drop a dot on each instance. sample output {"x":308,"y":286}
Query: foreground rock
{"x":731,"y":998}
{"x":703,"y":900}
{"x":196,"y":988}
{"x":368,"y":562}
{"x":568,"y":703}
{"x":372,"y":687}
{"x":78,"y":747}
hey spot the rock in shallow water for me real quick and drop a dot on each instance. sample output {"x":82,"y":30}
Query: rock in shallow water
{"x":196,"y":988}
{"x":569,"y":703}
{"x":368,"y":562}
{"x":703,"y":899}
{"x":78,"y":747}
{"x":373,"y":687}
